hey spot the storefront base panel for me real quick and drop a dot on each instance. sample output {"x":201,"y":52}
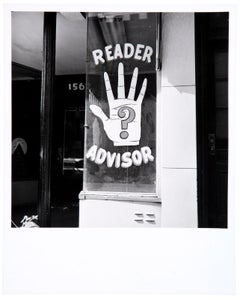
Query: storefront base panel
{"x":108,"y":213}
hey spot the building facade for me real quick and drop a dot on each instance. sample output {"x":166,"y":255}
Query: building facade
{"x":120,"y":119}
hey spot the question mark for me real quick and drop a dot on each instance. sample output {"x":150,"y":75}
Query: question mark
{"x":125,"y":122}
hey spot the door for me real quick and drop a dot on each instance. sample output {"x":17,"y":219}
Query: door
{"x":212,"y":117}
{"x":68,"y":147}
{"x":68,"y":118}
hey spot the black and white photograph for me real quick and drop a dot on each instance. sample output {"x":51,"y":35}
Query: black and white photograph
{"x":120,"y":121}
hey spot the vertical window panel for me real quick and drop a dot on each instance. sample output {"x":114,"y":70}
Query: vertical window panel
{"x":120,"y":150}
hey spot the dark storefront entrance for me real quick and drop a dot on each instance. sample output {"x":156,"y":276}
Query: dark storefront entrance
{"x":30,"y":127}
{"x":212,"y":118}
{"x":68,"y":144}
{"x":68,"y":148}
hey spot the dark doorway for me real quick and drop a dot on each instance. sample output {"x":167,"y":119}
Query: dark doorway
{"x":48,"y":94}
{"x":68,"y":148}
{"x":26,"y":92}
{"x":211,"y":31}
{"x":68,"y":142}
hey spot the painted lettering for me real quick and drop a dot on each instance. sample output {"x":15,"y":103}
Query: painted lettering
{"x":147,"y":54}
{"x":146,"y":154}
{"x":118,"y":52}
{"x":128,"y":50}
{"x":108,"y":51}
{"x":101,"y":156}
{"x":138,"y":51}
{"x":98,"y":56}
{"x":91,"y":154}
{"x":110,"y":158}
{"x":125,"y":160}
{"x":137,"y":158}
{"x":118,"y":161}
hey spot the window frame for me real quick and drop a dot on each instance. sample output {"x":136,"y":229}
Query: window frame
{"x":135,"y":196}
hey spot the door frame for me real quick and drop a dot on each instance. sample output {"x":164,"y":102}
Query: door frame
{"x":205,"y":119}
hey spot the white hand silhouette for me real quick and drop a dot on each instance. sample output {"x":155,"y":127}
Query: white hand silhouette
{"x":123,"y":126}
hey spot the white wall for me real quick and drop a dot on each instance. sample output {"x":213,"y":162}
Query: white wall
{"x":108,"y":213}
{"x":177,"y":98}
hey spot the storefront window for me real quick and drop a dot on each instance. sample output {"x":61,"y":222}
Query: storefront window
{"x":120,"y":148}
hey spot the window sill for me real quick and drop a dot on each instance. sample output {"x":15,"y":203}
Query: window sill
{"x":120,"y":196}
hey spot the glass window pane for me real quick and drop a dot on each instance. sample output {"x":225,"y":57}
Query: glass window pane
{"x":73,"y":139}
{"x":69,"y":112}
{"x":70,"y":43}
{"x":120,"y":149}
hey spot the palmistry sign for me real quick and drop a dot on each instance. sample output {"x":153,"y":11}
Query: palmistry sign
{"x":123,"y":126}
